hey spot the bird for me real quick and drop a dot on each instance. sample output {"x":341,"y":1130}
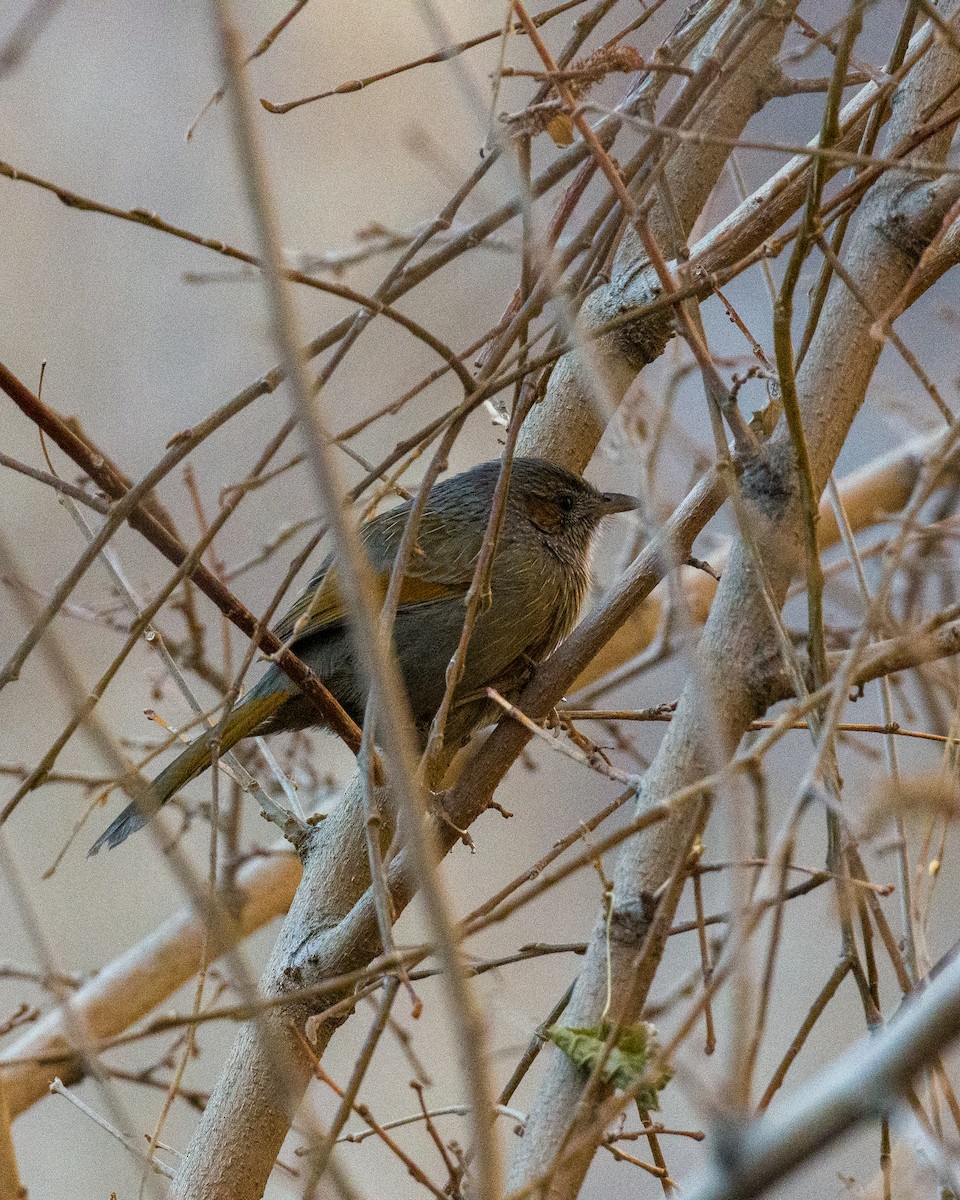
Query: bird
{"x":538,"y":582}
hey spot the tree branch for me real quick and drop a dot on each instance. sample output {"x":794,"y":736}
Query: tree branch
{"x":739,"y":645}
{"x":867,"y":1082}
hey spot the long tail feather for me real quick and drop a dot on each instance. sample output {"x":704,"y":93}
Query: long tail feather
{"x":192,"y":762}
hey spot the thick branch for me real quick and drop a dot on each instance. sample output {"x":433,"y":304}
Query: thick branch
{"x":739,"y":647}
{"x":11,"y":1187}
{"x":136,"y":982}
{"x":868,"y":1082}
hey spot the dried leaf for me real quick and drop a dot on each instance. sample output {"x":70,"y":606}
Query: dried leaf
{"x":536,"y":118}
{"x":560,"y":129}
{"x":628,"y":1061}
{"x":586,"y":72}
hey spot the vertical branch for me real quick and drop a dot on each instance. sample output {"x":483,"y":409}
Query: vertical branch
{"x":10,"y":1186}
{"x":739,"y":642}
{"x":783,"y":342}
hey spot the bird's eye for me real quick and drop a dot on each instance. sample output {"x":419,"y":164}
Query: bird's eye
{"x":566,"y":503}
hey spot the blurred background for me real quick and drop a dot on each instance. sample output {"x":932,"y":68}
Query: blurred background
{"x":143,"y":336}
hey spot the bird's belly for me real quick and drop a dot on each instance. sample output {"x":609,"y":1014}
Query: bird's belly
{"x":424,"y":644}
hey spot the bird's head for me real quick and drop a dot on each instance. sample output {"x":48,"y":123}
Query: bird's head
{"x":562,"y":507}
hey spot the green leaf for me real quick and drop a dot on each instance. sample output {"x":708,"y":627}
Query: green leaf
{"x":626,"y":1065}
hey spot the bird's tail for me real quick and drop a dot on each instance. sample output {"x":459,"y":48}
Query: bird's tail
{"x":192,"y":762}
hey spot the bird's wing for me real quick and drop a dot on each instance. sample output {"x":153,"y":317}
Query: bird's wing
{"x":429,"y":577}
{"x":318,"y":605}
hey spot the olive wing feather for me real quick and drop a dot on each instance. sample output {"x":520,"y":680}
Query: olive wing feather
{"x":436,"y":572}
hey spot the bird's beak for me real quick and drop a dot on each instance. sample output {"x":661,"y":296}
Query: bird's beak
{"x":615,"y":502}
